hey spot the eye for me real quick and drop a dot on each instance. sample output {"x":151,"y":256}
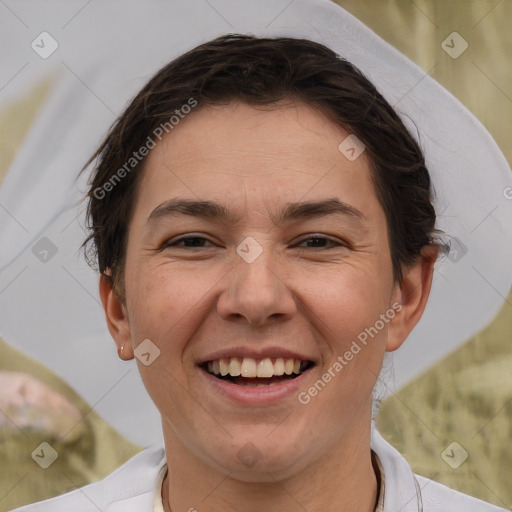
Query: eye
{"x":192,"y":241}
{"x":321,"y":242}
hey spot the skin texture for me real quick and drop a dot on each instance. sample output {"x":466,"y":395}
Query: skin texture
{"x":313,"y":297}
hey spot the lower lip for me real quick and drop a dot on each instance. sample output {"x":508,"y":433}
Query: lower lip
{"x":256,"y":395}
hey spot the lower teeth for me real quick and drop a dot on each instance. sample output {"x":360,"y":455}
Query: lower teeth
{"x":258,"y":382}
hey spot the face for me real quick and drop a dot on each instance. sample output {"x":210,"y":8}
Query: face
{"x":257,"y":249}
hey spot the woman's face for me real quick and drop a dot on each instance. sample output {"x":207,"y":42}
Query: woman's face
{"x":277,"y":251}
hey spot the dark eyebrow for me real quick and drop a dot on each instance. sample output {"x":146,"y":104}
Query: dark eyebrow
{"x":294,"y":211}
{"x":196,"y":208}
{"x":218,"y":211}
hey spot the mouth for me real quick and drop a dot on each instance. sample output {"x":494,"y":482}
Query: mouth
{"x":249,"y":372}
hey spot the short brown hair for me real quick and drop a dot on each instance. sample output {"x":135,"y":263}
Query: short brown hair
{"x":262,"y":72}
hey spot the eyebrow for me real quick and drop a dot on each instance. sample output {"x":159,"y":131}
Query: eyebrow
{"x":218,"y":211}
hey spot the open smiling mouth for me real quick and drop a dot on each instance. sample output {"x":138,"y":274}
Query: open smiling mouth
{"x":256,"y":372}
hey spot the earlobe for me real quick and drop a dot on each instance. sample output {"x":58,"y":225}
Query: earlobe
{"x":116,"y":317}
{"x":412,"y":294}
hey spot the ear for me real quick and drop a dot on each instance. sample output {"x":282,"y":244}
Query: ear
{"x":412,"y":293}
{"x":117,"y":319}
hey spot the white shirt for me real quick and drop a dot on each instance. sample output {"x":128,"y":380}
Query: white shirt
{"x":136,"y":487}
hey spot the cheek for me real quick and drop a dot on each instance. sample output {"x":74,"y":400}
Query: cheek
{"x":164,"y":303}
{"x":165,"y":306}
{"x":346,"y":308}
{"x":347,"y":301}
{"x":348,"y":318}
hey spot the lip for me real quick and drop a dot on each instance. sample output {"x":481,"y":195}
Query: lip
{"x":255,"y":396}
{"x":242,"y":352}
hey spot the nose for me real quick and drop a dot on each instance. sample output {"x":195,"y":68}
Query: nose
{"x":256,"y":292}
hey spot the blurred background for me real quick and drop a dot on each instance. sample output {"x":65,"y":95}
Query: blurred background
{"x":465,"y":398}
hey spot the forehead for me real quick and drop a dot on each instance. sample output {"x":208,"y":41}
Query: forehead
{"x":253,"y":156}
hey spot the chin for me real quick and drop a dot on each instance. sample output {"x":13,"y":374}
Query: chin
{"x":264,"y":460}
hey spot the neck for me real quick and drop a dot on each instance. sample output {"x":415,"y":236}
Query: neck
{"x":341,"y":481}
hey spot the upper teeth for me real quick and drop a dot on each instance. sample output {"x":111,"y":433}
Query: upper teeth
{"x":248,"y":367}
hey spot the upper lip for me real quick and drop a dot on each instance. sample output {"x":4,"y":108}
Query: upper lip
{"x":253,"y":353}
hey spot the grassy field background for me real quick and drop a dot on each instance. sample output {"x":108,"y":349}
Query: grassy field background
{"x":467,"y":399}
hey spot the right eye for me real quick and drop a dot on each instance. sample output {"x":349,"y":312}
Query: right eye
{"x":189,"y":241}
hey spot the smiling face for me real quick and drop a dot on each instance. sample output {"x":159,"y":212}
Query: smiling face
{"x":257,"y":248}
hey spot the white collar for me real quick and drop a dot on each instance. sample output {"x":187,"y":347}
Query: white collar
{"x":158,"y":505}
{"x":401,"y":489}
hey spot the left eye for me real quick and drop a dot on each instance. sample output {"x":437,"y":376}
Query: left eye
{"x":320,"y":242}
